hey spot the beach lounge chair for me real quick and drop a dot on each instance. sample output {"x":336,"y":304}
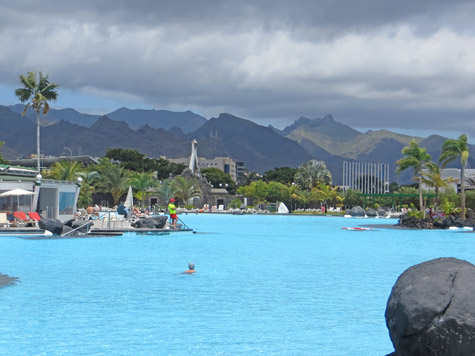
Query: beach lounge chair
{"x":34,"y":216}
{"x":23,"y":219}
{"x":4,"y":221}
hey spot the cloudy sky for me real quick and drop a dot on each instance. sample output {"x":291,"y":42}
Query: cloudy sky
{"x":401,"y":65}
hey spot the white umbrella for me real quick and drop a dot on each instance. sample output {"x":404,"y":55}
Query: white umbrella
{"x":17,"y":193}
{"x":129,"y":201}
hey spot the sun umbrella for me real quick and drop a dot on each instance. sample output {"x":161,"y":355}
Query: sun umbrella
{"x":17,"y":193}
{"x":129,"y":201}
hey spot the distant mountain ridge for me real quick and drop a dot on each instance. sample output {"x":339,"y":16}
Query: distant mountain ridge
{"x":187,"y":121}
{"x":260,"y":148}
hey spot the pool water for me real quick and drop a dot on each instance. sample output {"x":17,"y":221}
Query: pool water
{"x":265,"y":285}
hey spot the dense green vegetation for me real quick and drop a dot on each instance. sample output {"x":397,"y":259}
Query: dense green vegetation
{"x":109,"y":181}
{"x":306,"y":187}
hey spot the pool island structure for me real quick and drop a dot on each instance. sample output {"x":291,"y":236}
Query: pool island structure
{"x":33,"y":207}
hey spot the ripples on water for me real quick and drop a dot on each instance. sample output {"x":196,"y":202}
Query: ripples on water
{"x":269,"y":285}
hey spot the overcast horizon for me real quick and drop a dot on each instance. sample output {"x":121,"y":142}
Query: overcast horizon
{"x":403,"y":66}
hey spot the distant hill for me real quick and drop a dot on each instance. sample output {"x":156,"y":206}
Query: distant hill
{"x":187,"y":121}
{"x":334,"y":143}
{"x":18,"y":132}
{"x":261,"y":148}
{"x":55,"y":115}
{"x":106,"y":133}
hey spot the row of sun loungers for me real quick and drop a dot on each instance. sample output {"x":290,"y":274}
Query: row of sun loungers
{"x":19,"y":219}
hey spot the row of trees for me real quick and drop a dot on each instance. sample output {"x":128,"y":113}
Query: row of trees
{"x":112,"y":180}
{"x":429,"y":172}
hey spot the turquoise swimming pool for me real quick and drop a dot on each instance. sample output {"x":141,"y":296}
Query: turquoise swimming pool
{"x":269,"y":285}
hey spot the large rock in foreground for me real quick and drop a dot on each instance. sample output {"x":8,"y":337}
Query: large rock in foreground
{"x":431,"y":309}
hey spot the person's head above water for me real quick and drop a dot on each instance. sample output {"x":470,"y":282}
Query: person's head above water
{"x":191,"y":266}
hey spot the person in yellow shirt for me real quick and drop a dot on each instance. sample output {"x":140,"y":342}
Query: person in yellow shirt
{"x":172,"y":210}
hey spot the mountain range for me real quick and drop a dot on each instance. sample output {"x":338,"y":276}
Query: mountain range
{"x":166,"y":133}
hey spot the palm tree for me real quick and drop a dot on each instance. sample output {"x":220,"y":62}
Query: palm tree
{"x":141,"y":182}
{"x":65,"y":170}
{"x":166,"y":190}
{"x":114,"y":180}
{"x":311,"y":173}
{"x":37,"y":94}
{"x":451,"y":150}
{"x":186,"y":188}
{"x":324,"y":193}
{"x":433,"y":178}
{"x":88,"y":188}
{"x":417,"y":158}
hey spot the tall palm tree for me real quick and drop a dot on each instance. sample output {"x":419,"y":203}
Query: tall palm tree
{"x":417,"y":158}
{"x":451,"y":150}
{"x":433,"y":178}
{"x":186,"y":188}
{"x":114,"y":180}
{"x":311,"y":173}
{"x":141,"y":182}
{"x":37,"y":93}
{"x":65,"y":170}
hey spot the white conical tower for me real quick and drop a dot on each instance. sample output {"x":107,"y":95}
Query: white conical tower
{"x":194,"y":167}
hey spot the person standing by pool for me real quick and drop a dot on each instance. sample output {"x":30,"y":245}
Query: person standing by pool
{"x":172,"y":210}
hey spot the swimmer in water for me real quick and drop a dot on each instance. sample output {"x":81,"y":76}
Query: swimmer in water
{"x":191,"y":268}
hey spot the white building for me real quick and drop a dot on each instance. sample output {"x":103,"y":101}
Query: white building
{"x":225,"y":164}
{"x":52,"y":198}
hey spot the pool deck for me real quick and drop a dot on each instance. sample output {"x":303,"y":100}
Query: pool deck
{"x":98,"y":229}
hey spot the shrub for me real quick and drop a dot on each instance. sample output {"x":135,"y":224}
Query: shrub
{"x":235,"y":203}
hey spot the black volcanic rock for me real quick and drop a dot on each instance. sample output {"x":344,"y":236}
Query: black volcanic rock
{"x":431,"y":309}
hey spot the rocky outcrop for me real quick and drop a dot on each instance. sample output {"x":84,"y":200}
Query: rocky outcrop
{"x":431,"y":309}
{"x":437,"y":221}
{"x":151,"y":223}
{"x":356,"y":211}
{"x":52,"y":225}
{"x":371,"y":213}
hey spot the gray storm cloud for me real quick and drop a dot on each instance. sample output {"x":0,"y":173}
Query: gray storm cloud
{"x":369,"y":63}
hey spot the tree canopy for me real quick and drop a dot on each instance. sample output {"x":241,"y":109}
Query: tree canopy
{"x":416,"y":158}
{"x":284,"y":175}
{"x":218,"y":179}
